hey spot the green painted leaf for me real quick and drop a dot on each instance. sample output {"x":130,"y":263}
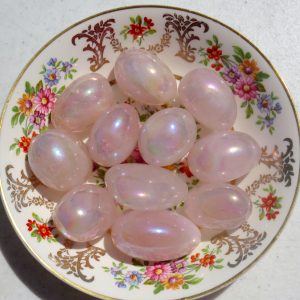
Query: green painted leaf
{"x":27,"y":87}
{"x":18,"y":151}
{"x":14,"y":119}
{"x":206,"y":61}
{"x":261,"y":214}
{"x":70,"y":76}
{"x":151,"y":31}
{"x":219,"y":260}
{"x":21,"y":119}
{"x":54,"y":89}
{"x":34,"y":233}
{"x":39,"y":238}
{"x":249,"y":111}
{"x":39,"y":86}
{"x":12,"y":146}
{"x":15,"y":109}
{"x":209,"y":42}
{"x":239,"y":51}
{"x":132,"y":20}
{"x":247,"y":55}
{"x":149,"y":282}
{"x":237,"y":59}
{"x":244,"y":104}
{"x":185,"y":286}
{"x":159,"y":288}
{"x":215,"y":39}
{"x":259,"y":122}
{"x":138,"y":20}
{"x":61,"y":90}
{"x":29,"y":129}
{"x":271,"y":129}
{"x":194,"y":281}
{"x":131,"y":287}
{"x":218,"y":266}
{"x":261,"y":87}
{"x":188,"y":277}
{"x":277,"y":205}
{"x":43,"y":129}
{"x":36,"y":217}
{"x":261,"y":76}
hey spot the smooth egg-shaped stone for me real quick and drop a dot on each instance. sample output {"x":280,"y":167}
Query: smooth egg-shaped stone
{"x":222,"y":157}
{"x":84,"y":213}
{"x":143,"y":77}
{"x":145,"y":187}
{"x":208,"y":98}
{"x":59,"y":160}
{"x":114,"y":136}
{"x":167,"y":136}
{"x":220,"y":206}
{"x":155,"y":235}
{"x":82,"y":102}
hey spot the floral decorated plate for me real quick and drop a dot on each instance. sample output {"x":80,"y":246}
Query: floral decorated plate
{"x":184,"y":40}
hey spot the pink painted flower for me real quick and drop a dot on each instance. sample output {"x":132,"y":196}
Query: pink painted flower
{"x":246,"y":88}
{"x":158,"y":272}
{"x":44,"y":100}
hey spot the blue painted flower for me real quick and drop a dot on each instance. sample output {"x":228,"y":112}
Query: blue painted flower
{"x":52,"y":61}
{"x":52,"y":77}
{"x":232,"y":74}
{"x":120,"y":284}
{"x":268,"y":121}
{"x":278,"y":107}
{"x":115,"y":271}
{"x":133,"y":278}
{"x":66,"y":67}
{"x":264,"y":103}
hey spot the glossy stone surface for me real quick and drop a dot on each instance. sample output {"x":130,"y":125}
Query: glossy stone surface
{"x":143,"y":77}
{"x":155,"y":235}
{"x":82,"y":102}
{"x":208,"y":98}
{"x":220,"y":206}
{"x":59,"y":160}
{"x":167,"y":136}
{"x":114,"y":136}
{"x":145,"y":187}
{"x":222,"y":157}
{"x":84,"y":213}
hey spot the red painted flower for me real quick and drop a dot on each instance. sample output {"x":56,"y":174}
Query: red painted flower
{"x":24,"y":143}
{"x":195,"y":257}
{"x":185,"y":169}
{"x":214,"y":52}
{"x":44,"y":230}
{"x":217,"y":66}
{"x":136,"y":30}
{"x":272,"y":216}
{"x":207,"y":260}
{"x":268,"y":202}
{"x":148,"y":22}
{"x":30,"y":224}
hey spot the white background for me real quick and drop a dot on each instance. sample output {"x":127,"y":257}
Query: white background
{"x":272,"y":25}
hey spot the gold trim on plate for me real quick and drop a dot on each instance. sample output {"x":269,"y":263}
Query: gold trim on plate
{"x":48,"y":267}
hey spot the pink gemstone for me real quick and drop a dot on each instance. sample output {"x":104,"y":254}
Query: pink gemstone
{"x":155,"y":235}
{"x":208,"y":98}
{"x":220,"y":206}
{"x":82,"y":102}
{"x":59,"y":160}
{"x":85,"y":213}
{"x":144,"y":77}
{"x":167,"y":136}
{"x":145,"y":187}
{"x":222,"y":157}
{"x":114,"y":136}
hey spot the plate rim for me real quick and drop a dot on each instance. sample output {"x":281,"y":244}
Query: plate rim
{"x":48,"y":43}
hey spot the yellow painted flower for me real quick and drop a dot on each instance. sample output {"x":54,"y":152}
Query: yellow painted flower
{"x":174,"y":281}
{"x":171,"y":167}
{"x":26,"y":104}
{"x":249,"y":67}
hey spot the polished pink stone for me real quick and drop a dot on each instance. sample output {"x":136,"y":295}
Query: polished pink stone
{"x":167,"y":136}
{"x":82,"y":102}
{"x":222,"y":157}
{"x":59,"y":160}
{"x":85,"y":213}
{"x":218,"y":206}
{"x":155,"y":235}
{"x":143,"y":77}
{"x":208,"y":98}
{"x":145,"y":187}
{"x":114,"y":136}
